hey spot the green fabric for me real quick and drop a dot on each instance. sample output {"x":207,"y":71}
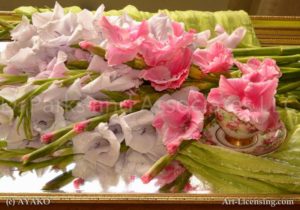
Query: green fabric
{"x":201,"y":21}
{"x":29,"y":10}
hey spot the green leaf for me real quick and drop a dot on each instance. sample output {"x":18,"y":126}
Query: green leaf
{"x":221,"y":182}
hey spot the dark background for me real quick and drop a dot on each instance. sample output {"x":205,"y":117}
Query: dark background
{"x":253,"y":7}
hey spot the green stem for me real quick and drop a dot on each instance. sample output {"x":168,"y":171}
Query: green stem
{"x":67,"y":159}
{"x":6,"y":79}
{"x":6,"y":25}
{"x":77,"y":64}
{"x":279,"y":59}
{"x":196,"y":74}
{"x":283,"y":88}
{"x":7,"y":154}
{"x":201,"y":85}
{"x":49,"y":148}
{"x":59,"y":181}
{"x":158,"y":166}
{"x":10,"y":163}
{"x":267,"y":51}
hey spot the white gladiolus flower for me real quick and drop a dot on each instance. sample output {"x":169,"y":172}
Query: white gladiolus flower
{"x":89,"y":171}
{"x":47,"y":117}
{"x":100,"y":151}
{"x":36,"y":44}
{"x":138,"y":131}
{"x":144,"y":145}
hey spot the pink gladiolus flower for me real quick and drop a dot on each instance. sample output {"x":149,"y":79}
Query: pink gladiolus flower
{"x":123,"y":43}
{"x":99,"y":106}
{"x":170,"y":74}
{"x":80,"y":127}
{"x":217,"y":58}
{"x":167,"y":54}
{"x":250,"y":102}
{"x":176,"y":121}
{"x":127,"y":104}
{"x":257,"y":71}
{"x":158,"y":51}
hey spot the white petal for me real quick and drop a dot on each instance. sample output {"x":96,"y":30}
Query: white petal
{"x":6,"y":114}
{"x":160,"y":26}
{"x":12,"y":93}
{"x":115,"y":127}
{"x":42,"y":19}
{"x":90,"y":171}
{"x":230,"y":41}
{"x":54,"y":92}
{"x":99,"y":146}
{"x":15,"y":136}
{"x":180,"y":95}
{"x":139,"y":133}
{"x":47,"y":117}
{"x":236,"y":37}
{"x":84,"y":169}
{"x":74,"y":91}
{"x":24,"y":31}
{"x":133,"y":164}
{"x":98,"y":64}
{"x":119,"y":80}
{"x":25,"y":60}
{"x":201,"y":38}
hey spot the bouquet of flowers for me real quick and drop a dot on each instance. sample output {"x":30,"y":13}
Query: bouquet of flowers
{"x":152,"y":96}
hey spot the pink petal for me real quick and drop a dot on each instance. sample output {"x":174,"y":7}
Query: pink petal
{"x":216,"y":58}
{"x":197,"y":100}
{"x":176,"y":122}
{"x":172,"y":74}
{"x":257,"y":71}
{"x":123,"y":43}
